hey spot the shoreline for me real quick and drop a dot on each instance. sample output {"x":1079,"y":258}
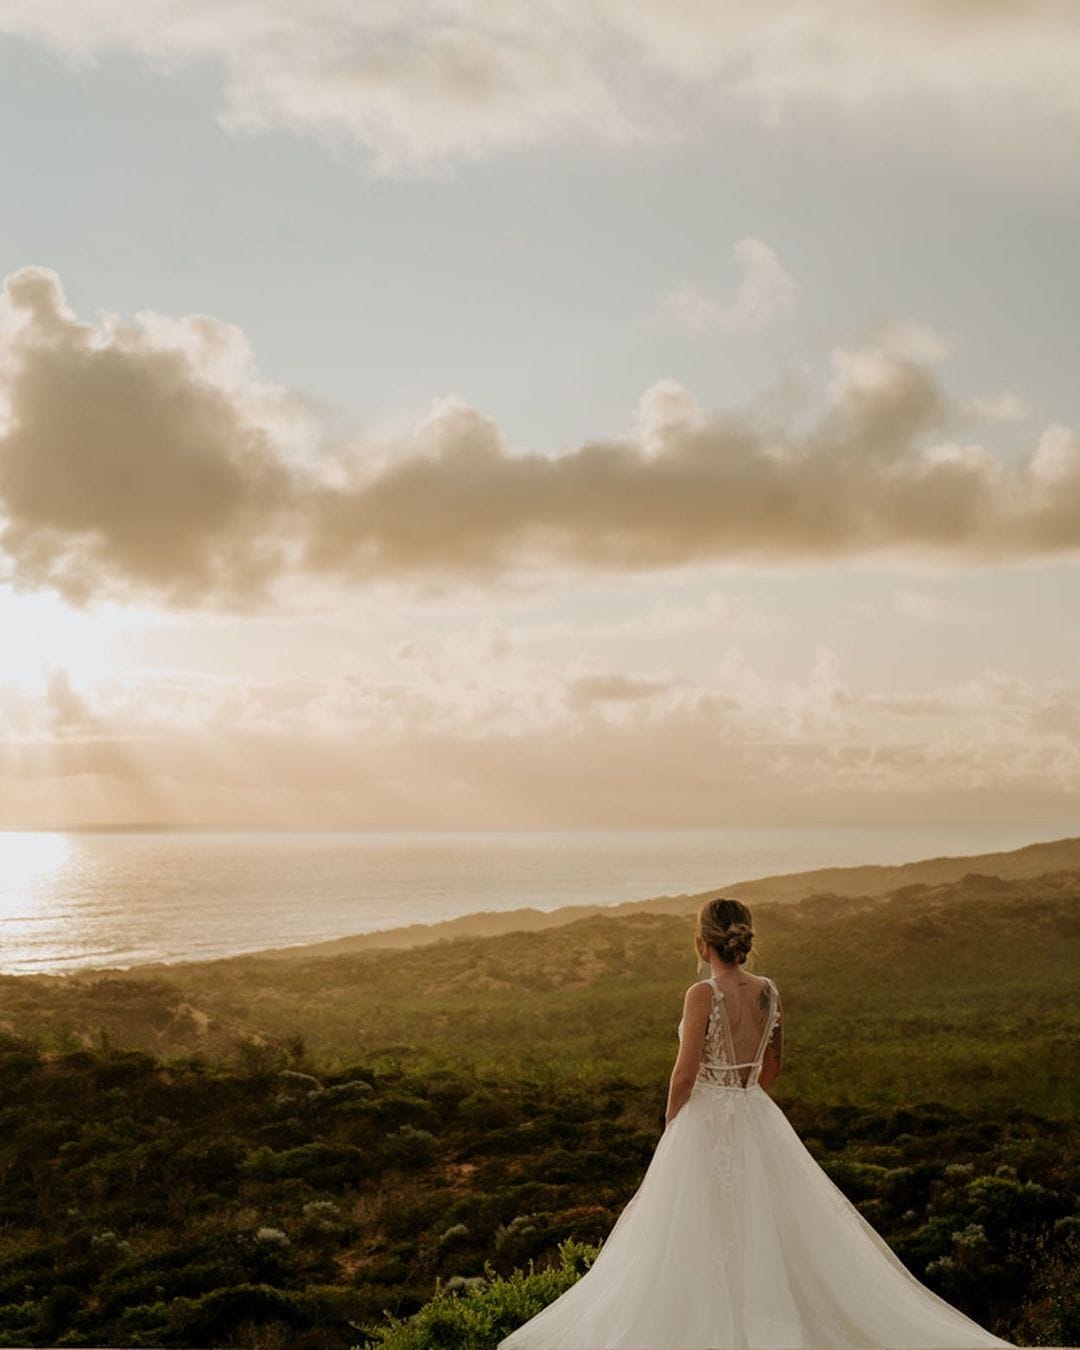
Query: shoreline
{"x":870,"y":881}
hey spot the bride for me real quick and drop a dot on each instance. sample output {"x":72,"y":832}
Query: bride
{"x":735,"y":1237}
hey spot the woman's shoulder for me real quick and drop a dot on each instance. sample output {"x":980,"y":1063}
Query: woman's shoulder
{"x":771,"y":987}
{"x":764,"y":982}
{"x":699,"y":994}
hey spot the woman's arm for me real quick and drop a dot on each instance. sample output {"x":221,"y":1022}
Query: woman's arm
{"x":696,"y":1008}
{"x":773,"y":1059}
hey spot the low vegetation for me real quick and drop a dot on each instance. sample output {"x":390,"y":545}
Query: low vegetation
{"x":377,"y":1148}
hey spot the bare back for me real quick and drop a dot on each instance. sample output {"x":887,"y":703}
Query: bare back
{"x":744,"y":1018}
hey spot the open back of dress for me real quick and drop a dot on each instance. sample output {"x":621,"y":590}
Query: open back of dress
{"x":742,"y":1022}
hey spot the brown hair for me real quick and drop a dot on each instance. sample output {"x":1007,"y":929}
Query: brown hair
{"x":725,"y":926}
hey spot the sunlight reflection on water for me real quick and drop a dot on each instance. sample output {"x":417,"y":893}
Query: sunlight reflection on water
{"x":31,"y":868}
{"x":29,"y":865}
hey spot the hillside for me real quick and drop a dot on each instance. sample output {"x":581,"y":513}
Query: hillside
{"x":263,"y":1153}
{"x":968,"y":985}
{"x":1035,"y":860}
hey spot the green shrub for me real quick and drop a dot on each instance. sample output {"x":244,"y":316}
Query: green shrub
{"x":316,"y":1162}
{"x":476,"y":1316}
{"x":1052,"y":1313}
{"x":18,"y":1316}
{"x":409,"y":1146}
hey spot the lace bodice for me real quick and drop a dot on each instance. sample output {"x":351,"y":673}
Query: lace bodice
{"x":737,"y":1035}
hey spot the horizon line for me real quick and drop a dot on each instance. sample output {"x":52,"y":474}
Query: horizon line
{"x":240,"y":827}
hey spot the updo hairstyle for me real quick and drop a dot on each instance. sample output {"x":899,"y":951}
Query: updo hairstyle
{"x":726,"y":927}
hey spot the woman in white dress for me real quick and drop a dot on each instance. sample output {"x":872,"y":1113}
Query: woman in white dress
{"x":735,"y":1237}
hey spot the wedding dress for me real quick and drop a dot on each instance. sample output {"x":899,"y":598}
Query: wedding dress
{"x":737,"y":1239}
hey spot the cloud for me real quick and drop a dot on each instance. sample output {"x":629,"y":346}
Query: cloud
{"x":1006,"y":407}
{"x":454,"y":742}
{"x":767,"y":291}
{"x":586,"y":691}
{"x":871,"y":476}
{"x":666,"y":409}
{"x":141,"y":457}
{"x":419,"y":86}
{"x":147,"y":459}
{"x":66,"y":707}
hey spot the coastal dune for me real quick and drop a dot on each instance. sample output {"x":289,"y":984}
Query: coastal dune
{"x":871,"y":882}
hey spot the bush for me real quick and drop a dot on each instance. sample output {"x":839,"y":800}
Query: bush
{"x":476,"y":1316}
{"x":317,"y":1163}
{"x":316,"y":1316}
{"x":1052,"y":1314}
{"x":409,"y":1146}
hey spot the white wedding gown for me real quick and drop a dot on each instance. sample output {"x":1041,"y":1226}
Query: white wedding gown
{"x":737,"y":1239}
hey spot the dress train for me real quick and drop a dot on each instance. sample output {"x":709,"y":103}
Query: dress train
{"x":736,"y":1239}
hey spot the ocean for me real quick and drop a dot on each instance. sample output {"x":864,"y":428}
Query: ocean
{"x":80,"y":900}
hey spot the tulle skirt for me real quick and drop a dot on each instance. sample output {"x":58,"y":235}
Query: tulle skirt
{"x":737,"y":1239}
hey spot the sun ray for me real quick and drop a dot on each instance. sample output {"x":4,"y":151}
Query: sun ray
{"x":42,"y":634}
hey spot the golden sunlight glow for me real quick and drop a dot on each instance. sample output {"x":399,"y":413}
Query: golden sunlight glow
{"x":28,"y":858}
{"x":42,"y":634}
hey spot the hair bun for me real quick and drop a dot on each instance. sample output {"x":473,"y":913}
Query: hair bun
{"x":726,"y":926}
{"x":737,"y":943}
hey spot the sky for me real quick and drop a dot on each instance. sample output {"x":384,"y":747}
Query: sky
{"x":450,"y":415}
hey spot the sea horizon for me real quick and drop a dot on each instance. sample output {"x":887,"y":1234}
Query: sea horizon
{"x":174,"y":827}
{"x":114,"y":898}
{"x":195,"y":827}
